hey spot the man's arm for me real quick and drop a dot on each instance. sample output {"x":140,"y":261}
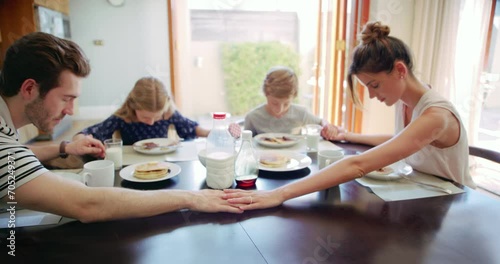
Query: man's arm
{"x":52,"y":193}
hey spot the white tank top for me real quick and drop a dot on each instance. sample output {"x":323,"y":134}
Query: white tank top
{"x":451,"y":162}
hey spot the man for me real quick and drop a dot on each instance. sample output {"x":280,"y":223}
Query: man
{"x":39,"y":82}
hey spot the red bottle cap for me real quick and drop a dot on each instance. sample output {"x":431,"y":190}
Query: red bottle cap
{"x":219,"y":115}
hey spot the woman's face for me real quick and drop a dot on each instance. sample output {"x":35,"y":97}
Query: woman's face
{"x":277,"y":107}
{"x":147,"y":117}
{"x":388,"y":88}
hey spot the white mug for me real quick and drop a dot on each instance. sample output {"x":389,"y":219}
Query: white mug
{"x":329,"y":156}
{"x":99,"y":173}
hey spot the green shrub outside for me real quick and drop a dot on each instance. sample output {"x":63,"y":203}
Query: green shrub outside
{"x":245,"y":66}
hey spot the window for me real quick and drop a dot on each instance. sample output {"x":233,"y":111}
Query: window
{"x":224,"y":49}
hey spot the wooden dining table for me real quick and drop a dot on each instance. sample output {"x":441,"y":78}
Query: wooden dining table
{"x":343,"y":224}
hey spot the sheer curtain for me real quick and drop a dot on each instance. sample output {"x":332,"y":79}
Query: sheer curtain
{"x":448,"y":41}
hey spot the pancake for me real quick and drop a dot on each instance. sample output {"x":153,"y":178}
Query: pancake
{"x":277,"y":140}
{"x":273,"y":160}
{"x":151,"y":170}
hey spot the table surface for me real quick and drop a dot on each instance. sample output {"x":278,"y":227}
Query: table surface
{"x":344,"y":224}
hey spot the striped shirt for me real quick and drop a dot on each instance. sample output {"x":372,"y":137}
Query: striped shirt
{"x":18,"y":164}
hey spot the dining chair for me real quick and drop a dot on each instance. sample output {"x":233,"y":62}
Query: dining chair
{"x":486,"y":176}
{"x":485,"y":153}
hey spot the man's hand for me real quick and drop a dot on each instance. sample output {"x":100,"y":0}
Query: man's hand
{"x":84,"y":145}
{"x":212,"y":201}
{"x":250,"y":199}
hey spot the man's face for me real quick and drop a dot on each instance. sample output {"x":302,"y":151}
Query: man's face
{"x":46,"y":113}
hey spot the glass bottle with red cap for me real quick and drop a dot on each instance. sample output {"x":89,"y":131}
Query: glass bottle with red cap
{"x":246,"y":164}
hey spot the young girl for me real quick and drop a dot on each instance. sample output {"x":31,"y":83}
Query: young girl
{"x":430,"y":135}
{"x":147,"y":113}
{"x":279,"y":114}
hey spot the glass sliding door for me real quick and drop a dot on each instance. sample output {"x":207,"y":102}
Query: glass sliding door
{"x":223,"y":50}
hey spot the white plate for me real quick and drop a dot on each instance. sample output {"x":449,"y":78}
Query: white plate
{"x":167,"y":143}
{"x":127,"y":173}
{"x":297,"y":161}
{"x":260,"y":139}
{"x":399,"y":168}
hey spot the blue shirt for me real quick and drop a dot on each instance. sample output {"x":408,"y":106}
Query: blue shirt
{"x":135,"y":131}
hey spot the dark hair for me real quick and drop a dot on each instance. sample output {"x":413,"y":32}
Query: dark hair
{"x":42,"y":57}
{"x":376,"y":53}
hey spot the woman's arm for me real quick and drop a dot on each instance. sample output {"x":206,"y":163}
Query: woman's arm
{"x":434,"y":124}
{"x":336,"y":133}
{"x":372,"y":140}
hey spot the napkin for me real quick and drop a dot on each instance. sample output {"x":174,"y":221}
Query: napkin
{"x":401,"y":189}
{"x":25,"y":217}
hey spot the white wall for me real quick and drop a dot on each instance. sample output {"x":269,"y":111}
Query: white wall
{"x":135,"y":44}
{"x":398,"y":15}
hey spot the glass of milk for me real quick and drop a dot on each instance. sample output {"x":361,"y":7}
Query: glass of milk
{"x":114,"y":151}
{"x":312,"y":137}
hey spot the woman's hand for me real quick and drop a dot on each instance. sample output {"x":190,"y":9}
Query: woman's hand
{"x":250,"y":200}
{"x":212,"y":201}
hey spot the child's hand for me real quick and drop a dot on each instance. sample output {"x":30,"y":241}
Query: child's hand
{"x":234,"y":130}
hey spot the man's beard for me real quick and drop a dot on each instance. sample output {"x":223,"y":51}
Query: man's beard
{"x":38,"y":115}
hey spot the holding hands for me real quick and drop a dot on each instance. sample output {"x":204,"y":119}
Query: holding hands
{"x":332,"y":132}
{"x":86,"y":144}
{"x":211,"y":201}
{"x":250,"y":200}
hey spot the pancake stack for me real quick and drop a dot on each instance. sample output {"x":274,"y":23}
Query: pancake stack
{"x":151,"y":170}
{"x":273,"y":160}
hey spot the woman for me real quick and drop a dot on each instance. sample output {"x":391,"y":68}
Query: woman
{"x":430,"y":136}
{"x":147,"y":113}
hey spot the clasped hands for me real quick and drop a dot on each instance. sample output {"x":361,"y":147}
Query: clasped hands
{"x":332,"y":132}
{"x":86,"y":145}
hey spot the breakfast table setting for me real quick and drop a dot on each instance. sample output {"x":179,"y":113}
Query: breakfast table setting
{"x":388,"y":216}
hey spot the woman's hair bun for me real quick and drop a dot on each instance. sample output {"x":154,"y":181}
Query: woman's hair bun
{"x":373,"y":31}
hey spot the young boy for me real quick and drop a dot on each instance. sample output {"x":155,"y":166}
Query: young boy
{"x":279,"y":114}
